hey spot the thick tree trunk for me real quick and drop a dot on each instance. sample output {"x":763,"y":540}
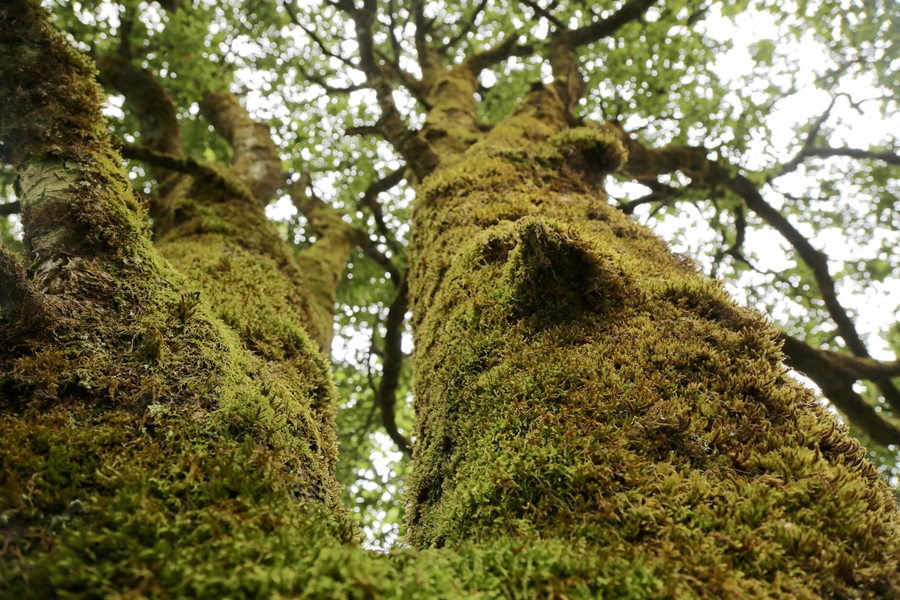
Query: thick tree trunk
{"x":160,"y":428}
{"x":594,"y":419}
{"x":576,"y":381}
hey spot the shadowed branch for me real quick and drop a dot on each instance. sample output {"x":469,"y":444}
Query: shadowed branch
{"x":10,"y":208}
{"x":835,"y":374}
{"x":392,"y":365}
{"x":209,"y":172}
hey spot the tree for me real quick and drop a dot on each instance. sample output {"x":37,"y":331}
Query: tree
{"x":594,"y":417}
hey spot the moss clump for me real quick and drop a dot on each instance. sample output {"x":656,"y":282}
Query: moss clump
{"x":554,"y":274}
{"x":576,"y":381}
{"x":592,"y":150}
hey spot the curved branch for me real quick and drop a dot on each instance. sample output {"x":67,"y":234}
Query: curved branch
{"x":392,"y":365}
{"x":152,"y":105}
{"x":256,"y":160}
{"x":326,"y":259}
{"x":810,"y":141}
{"x":630,"y":11}
{"x":210,"y":173}
{"x":830,"y":372}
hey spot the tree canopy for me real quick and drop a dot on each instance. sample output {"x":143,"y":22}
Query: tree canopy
{"x":343,"y":86}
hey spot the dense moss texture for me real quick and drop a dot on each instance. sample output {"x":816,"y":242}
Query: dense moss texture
{"x":150,"y":442}
{"x":576,"y":381}
{"x":595,"y":420}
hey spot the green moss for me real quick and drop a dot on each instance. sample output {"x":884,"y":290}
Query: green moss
{"x":576,"y":381}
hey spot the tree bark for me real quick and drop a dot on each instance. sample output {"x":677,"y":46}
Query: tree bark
{"x":159,"y":428}
{"x":576,"y":381}
{"x":595,"y":420}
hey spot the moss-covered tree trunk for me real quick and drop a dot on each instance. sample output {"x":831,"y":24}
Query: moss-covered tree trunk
{"x":166,"y":413}
{"x":576,"y":381}
{"x":595,"y":420}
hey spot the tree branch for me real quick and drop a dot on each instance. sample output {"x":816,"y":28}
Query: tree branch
{"x":890,"y":158}
{"x":10,"y":208}
{"x":660,"y":192}
{"x":369,"y":199}
{"x":630,"y":11}
{"x":505,"y":49}
{"x":835,"y":374}
{"x":569,"y":81}
{"x":415,"y":150}
{"x":210,"y":173}
{"x":152,"y":105}
{"x":54,"y":133}
{"x":470,"y":24}
{"x":256,"y":160}
{"x":810,"y":141}
{"x":543,"y":12}
{"x":392,"y":365}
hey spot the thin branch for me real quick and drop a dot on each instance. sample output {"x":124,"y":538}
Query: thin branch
{"x":660,"y":192}
{"x":890,"y":158}
{"x":810,"y":141}
{"x":325,"y":220}
{"x":188,"y":165}
{"x":630,"y":11}
{"x":470,"y":24}
{"x":318,"y":41}
{"x":507,"y":48}
{"x":416,"y":151}
{"x":543,"y":12}
{"x":369,"y":199}
{"x":392,"y":365}
{"x":10,"y":208}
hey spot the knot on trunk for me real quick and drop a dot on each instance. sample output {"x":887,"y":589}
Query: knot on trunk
{"x":553,"y":272}
{"x":593,"y":151}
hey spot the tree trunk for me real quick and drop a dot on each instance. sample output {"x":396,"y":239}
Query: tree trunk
{"x":576,"y":381}
{"x":595,"y":420}
{"x":160,"y":428}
